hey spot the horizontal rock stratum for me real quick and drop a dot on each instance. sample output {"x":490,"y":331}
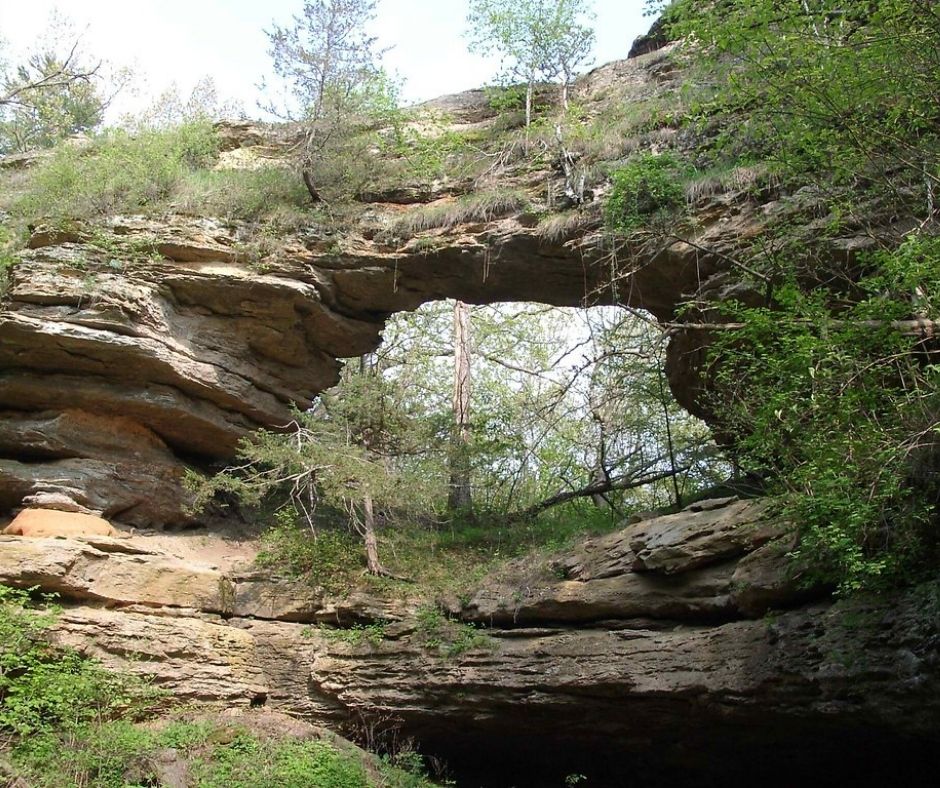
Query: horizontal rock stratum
{"x":705,"y":642}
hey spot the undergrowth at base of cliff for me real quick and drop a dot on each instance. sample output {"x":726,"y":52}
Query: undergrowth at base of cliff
{"x":68,"y":722}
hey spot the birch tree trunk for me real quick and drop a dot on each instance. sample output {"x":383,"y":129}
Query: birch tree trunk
{"x":460,"y":499}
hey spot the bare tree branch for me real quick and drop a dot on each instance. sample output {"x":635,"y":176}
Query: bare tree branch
{"x":595,"y":488}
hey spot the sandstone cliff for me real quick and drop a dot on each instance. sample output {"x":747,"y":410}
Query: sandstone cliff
{"x":131,"y":347}
{"x":673,"y":643}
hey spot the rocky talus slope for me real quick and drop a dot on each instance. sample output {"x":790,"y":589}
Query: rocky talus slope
{"x":673,"y":640}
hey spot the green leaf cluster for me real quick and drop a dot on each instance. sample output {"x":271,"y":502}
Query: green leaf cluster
{"x":44,"y":688}
{"x":839,"y":408}
{"x":649,"y":187}
{"x":845,"y":91}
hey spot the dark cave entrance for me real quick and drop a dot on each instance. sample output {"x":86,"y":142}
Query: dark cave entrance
{"x":756,"y":754}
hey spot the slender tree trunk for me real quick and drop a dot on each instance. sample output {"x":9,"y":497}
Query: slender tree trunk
{"x":669,"y":442}
{"x":601,"y":474}
{"x":460,"y":496}
{"x":373,"y":563}
{"x":529,"y":91}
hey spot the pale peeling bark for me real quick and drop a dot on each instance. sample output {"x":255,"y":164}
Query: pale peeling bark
{"x":460,"y":494}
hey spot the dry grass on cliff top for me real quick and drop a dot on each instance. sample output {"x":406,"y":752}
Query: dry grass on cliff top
{"x":616,"y":111}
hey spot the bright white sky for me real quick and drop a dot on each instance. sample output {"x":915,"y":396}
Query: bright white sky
{"x":181,"y":41}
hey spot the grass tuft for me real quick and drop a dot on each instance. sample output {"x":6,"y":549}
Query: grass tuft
{"x":480,"y":207}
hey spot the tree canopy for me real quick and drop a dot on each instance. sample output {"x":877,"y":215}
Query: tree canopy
{"x":536,"y":39}
{"x":54,"y":92}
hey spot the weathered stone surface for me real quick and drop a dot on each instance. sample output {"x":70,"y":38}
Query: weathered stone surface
{"x":128,"y":492}
{"x":44,"y":523}
{"x":175,"y":327}
{"x":635,"y":660}
{"x":705,"y":594}
{"x":195,"y":659}
{"x":704,"y":535}
{"x":78,"y":461}
{"x":765,"y":580}
{"x":786,"y":691}
{"x":130,"y":572}
{"x":264,"y":597}
{"x":678,"y":567}
{"x":106,"y":573}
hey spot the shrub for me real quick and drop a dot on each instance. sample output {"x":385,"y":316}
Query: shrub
{"x":119,"y":754}
{"x":43,"y":687}
{"x":118,"y":173}
{"x":838,"y":407}
{"x":327,"y":559}
{"x":450,"y":638}
{"x":7,"y":260}
{"x":249,"y":195}
{"x":648,"y":187}
{"x":250,"y":763}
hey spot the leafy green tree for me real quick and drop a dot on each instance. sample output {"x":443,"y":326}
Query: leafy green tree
{"x":330,"y":64}
{"x":536,"y":39}
{"x":829,"y":386}
{"x":54,"y":93}
{"x":353,"y":453}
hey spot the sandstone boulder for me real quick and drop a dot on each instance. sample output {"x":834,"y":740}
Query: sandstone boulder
{"x":46,"y":523}
{"x":705,"y":534}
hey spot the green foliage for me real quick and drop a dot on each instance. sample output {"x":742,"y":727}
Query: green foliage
{"x":336,"y":455}
{"x":840,"y":409}
{"x":269,"y":193}
{"x":538,"y":418}
{"x":328,"y":557}
{"x":7,"y":260}
{"x":248,"y":762}
{"x":355,"y":635}
{"x":325,"y":56}
{"x":56,"y":91}
{"x":823,"y":394}
{"x":451,"y":639}
{"x":434,"y":152}
{"x":649,"y":187}
{"x":43,"y":688}
{"x":117,"y":173}
{"x":502,"y":99}
{"x":121,"y":754}
{"x":834,"y":91}
{"x":536,"y":39}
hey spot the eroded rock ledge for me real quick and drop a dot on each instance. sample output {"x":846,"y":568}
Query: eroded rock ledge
{"x":131,"y":347}
{"x":676,"y":636}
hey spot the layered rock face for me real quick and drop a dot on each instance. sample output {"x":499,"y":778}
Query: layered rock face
{"x":131,"y":347}
{"x":119,"y":357}
{"x":678,"y":643}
